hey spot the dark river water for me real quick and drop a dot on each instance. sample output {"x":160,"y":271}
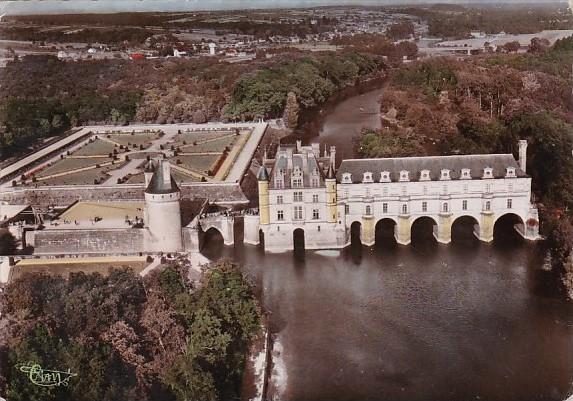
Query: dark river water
{"x":466,"y":321}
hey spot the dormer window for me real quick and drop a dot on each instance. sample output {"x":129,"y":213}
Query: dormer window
{"x":466,"y":175}
{"x":367,"y":177}
{"x":425,"y":175}
{"x":488,"y":172}
{"x":385,"y":176}
{"x":444,"y":174}
{"x":510,"y":172}
{"x":347,"y":178}
{"x":404,"y":175}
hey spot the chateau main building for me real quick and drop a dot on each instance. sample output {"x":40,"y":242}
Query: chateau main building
{"x":303,"y":199}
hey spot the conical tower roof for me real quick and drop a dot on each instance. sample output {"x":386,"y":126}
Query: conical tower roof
{"x":331,"y":175}
{"x":263,"y":174}
{"x":162,"y":181}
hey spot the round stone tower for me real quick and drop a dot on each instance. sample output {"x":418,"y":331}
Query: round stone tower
{"x":263,"y":178}
{"x":331,"y":202}
{"x":163,"y":212}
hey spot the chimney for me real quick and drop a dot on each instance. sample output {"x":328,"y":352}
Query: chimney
{"x":523,"y":155}
{"x":298,"y":145}
{"x":333,"y":155}
{"x":316,"y":149}
{"x":304,"y":162}
{"x":289,"y":158}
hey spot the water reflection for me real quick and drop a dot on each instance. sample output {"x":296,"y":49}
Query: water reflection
{"x":421,"y":322}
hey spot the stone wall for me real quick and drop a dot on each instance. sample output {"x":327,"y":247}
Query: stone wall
{"x":225,"y":194}
{"x":89,"y":241}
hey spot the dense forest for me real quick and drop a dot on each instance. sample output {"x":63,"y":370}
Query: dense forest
{"x":108,"y":36}
{"x":42,"y":96}
{"x":129,"y":338}
{"x":484,"y":105}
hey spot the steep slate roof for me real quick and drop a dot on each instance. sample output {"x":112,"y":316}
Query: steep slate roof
{"x":281,"y":163}
{"x":476,"y":164}
{"x":160,"y":184}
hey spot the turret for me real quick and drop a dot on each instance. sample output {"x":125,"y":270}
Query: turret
{"x":163,"y":211}
{"x":523,"y":155}
{"x":263,"y":178}
{"x":331,"y":201}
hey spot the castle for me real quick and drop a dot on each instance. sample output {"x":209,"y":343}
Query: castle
{"x":162,"y":223}
{"x":303,"y":200}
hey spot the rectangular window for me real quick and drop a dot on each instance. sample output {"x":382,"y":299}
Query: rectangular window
{"x":297,"y":182}
{"x":297,"y":213}
{"x":384,"y":208}
{"x":315,"y":182}
{"x":464,"y":205}
{"x":297,"y":197}
{"x":279,"y":200}
{"x":280,"y":215}
{"x":347,"y":209}
{"x":404,"y":209}
{"x":424,"y":206}
{"x":445,"y":208}
{"x":488,"y":206}
{"x":368,"y":210}
{"x":314,"y":198}
{"x":279,"y":183}
{"x":509,"y":203}
{"x":315,"y":214}
{"x":487,"y":188}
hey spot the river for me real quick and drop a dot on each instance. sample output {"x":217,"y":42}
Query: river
{"x":466,"y":321}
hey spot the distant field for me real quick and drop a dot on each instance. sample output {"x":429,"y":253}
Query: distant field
{"x":96,"y":148}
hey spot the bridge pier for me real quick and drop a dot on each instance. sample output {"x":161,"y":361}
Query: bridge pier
{"x":443,"y":231}
{"x":368,"y":230}
{"x":403,"y":232}
{"x":485,"y":230}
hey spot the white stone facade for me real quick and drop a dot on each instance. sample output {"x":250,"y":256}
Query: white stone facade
{"x":367,"y":191}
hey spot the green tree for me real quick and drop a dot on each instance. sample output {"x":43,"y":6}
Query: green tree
{"x":291,"y":111}
{"x":8,"y":243}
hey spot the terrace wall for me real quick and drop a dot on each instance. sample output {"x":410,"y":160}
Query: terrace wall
{"x":42,"y":197}
{"x":89,"y":241}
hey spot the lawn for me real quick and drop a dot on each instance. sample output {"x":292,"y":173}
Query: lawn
{"x":130,"y":139}
{"x":181,"y":177}
{"x":86,"y":177}
{"x":197,"y":136}
{"x":96,"y":148}
{"x":217,"y":145}
{"x":198,"y":163}
{"x":69,"y":163}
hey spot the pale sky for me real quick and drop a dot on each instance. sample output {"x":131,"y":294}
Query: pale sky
{"x":91,"y":6}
